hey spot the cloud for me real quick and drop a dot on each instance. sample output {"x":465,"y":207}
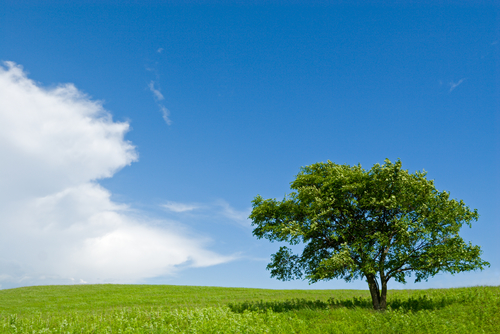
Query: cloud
{"x":166,"y":113}
{"x":158,"y":95}
{"x":58,"y":224}
{"x":240,"y":217}
{"x":212,"y":211}
{"x":160,"y":50}
{"x":179,"y":207}
{"x":454,"y":85}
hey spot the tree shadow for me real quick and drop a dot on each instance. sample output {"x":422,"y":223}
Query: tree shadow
{"x":297,"y":304}
{"x":419,"y":303}
{"x":278,"y":306}
{"x":413,"y":304}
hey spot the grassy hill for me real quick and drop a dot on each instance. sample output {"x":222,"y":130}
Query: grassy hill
{"x":189,"y":309}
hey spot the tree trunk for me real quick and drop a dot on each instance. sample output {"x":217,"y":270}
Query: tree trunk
{"x":383,"y":295}
{"x":379,"y":298}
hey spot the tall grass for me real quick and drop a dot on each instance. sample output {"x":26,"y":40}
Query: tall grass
{"x":136,"y":320}
{"x":168,"y":309}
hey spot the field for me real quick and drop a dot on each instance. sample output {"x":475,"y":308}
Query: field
{"x":183,"y":309}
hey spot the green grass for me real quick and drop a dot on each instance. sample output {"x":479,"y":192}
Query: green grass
{"x":183,"y":309}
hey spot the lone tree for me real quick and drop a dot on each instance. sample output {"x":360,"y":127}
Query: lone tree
{"x":378,"y":224}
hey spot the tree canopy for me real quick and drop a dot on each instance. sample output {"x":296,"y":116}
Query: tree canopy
{"x":377,"y":225}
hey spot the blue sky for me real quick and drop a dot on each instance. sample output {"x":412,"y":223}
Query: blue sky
{"x":212,"y":104}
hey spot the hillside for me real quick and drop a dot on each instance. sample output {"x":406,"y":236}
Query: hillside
{"x":189,"y":309}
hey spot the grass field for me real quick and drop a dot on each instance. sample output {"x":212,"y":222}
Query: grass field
{"x":183,"y":309}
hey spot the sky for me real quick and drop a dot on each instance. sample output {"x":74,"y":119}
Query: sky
{"x":134,"y":135}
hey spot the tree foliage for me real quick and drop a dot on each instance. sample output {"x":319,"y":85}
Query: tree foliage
{"x":376,"y":225}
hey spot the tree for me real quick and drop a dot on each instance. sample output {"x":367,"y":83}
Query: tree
{"x":379,"y":224}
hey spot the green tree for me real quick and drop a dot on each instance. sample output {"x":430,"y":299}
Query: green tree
{"x":376,"y":225}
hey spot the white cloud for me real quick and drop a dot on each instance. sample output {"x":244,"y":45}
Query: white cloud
{"x":454,"y":85}
{"x":58,"y":224}
{"x":179,"y":207}
{"x":213,"y":211}
{"x":160,"y":50}
{"x":158,"y":95}
{"x":240,"y":217}
{"x":166,"y":114}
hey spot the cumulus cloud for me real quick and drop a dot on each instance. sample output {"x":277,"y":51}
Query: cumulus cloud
{"x":58,"y":224}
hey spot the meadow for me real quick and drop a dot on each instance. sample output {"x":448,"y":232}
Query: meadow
{"x":110,"y":308}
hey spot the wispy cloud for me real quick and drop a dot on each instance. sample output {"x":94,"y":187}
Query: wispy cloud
{"x":216,"y":211}
{"x":158,"y":98}
{"x":166,"y":114}
{"x":180,"y":207}
{"x":154,"y":87}
{"x":158,"y":95}
{"x":58,"y":224}
{"x":238,"y":216}
{"x":454,"y":85}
